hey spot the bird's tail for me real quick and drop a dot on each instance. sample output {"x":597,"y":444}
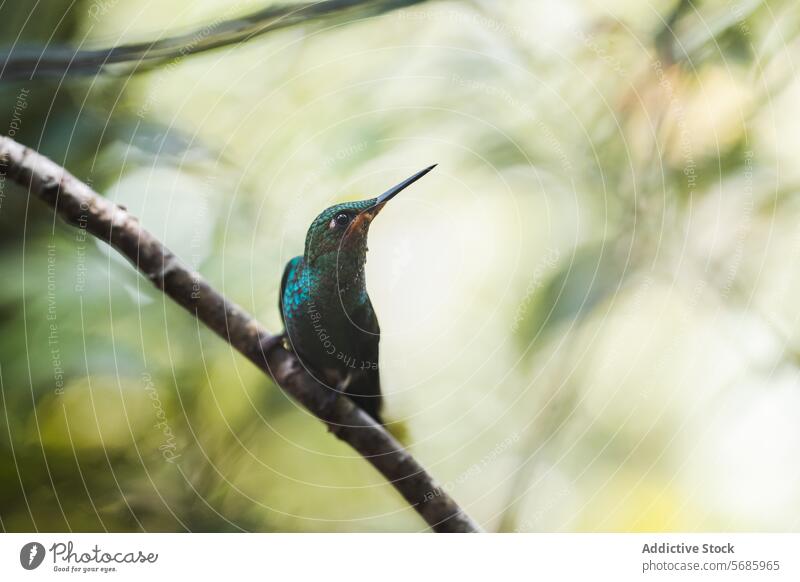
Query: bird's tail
{"x":369,"y":404}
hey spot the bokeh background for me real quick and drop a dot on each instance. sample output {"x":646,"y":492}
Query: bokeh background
{"x":589,"y":310}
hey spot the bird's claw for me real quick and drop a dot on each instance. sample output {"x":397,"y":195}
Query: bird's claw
{"x":271,"y":342}
{"x":328,"y":409}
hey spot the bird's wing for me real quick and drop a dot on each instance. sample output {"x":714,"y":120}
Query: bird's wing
{"x":288,"y":272}
{"x":365,"y":387}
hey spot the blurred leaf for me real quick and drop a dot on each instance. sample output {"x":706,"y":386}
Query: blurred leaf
{"x":588,"y":277}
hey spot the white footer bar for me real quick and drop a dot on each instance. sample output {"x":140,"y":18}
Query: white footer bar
{"x":389,"y":557}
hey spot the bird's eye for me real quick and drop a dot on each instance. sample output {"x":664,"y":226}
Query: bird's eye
{"x":342,"y":219}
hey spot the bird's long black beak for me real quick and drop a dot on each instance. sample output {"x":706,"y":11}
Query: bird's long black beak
{"x":360,"y":224}
{"x":395,"y":190}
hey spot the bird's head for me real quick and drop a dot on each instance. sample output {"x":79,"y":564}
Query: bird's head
{"x":340,"y":231}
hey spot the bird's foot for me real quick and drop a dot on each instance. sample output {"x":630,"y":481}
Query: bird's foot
{"x":271,"y":342}
{"x":328,"y":409}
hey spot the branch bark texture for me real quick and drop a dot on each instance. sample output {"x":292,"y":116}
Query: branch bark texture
{"x":57,"y":61}
{"x":80,"y":206}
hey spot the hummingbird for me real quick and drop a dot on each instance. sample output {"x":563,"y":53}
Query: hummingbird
{"x":327,"y":314}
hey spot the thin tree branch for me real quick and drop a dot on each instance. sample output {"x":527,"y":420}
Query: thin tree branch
{"x":21,"y":64}
{"x":80,"y":206}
